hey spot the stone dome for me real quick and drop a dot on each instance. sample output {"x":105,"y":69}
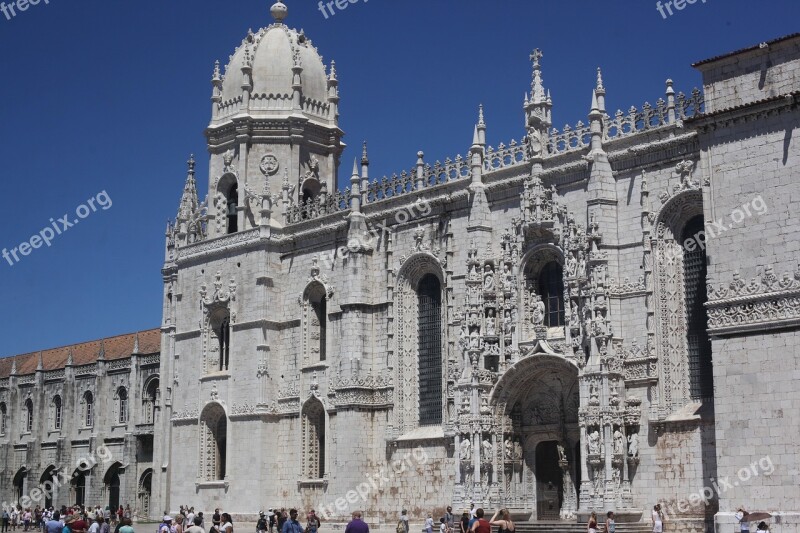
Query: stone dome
{"x":272,"y":53}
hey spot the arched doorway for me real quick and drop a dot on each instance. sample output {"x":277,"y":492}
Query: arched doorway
{"x":112,"y":485}
{"x":49,"y":484}
{"x":78,"y":487}
{"x":213,"y":442}
{"x":537,"y":401}
{"x":145,"y":492}
{"x":19,"y":482}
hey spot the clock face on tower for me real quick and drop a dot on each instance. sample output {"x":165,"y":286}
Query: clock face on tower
{"x":269,"y":165}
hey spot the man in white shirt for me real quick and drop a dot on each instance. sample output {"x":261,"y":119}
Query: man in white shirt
{"x":95,"y":527}
{"x":741,"y":516}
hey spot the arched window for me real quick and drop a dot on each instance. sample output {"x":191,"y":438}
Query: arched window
{"x":57,"y":413}
{"x":213,"y":443}
{"x":149,"y":401}
{"x":122,"y":405}
{"x":429,"y":299}
{"x":3,"y":414}
{"x":701,"y":379}
{"x":78,"y":486}
{"x":88,"y":409}
{"x":224,"y":336}
{"x":317,"y":323}
{"x":314,"y":439}
{"x":232,"y":212}
{"x":28,"y":416}
{"x":551,"y":289}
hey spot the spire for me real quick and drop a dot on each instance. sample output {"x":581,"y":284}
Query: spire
{"x":216,"y":91}
{"x":481,"y":126}
{"x":332,"y":76}
{"x":599,"y":94}
{"x":537,"y":88}
{"x":476,"y":138}
{"x":364,"y":158}
{"x":189,"y":201}
{"x":355,"y":168}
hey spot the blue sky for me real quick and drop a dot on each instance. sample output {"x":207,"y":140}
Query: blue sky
{"x":113,"y":96}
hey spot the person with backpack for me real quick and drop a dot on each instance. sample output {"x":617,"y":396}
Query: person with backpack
{"x":402,"y":525}
{"x":261,"y":525}
{"x":165,"y":525}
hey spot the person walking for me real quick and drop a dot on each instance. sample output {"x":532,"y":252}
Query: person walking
{"x":611,"y":525}
{"x":658,"y":519}
{"x":504,"y":523}
{"x":402,"y":525}
{"x":261,"y":525}
{"x":312,"y":526}
{"x":449,"y":519}
{"x":741,"y":514}
{"x":292,"y":525}
{"x":429,"y":524}
{"x":227,"y":523}
{"x":6,"y":519}
{"x":591,"y":526}
{"x":357,"y":525}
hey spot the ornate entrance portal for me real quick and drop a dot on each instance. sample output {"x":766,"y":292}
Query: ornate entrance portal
{"x":537,"y":402}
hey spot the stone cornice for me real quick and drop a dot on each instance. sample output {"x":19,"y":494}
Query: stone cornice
{"x":766,"y":302}
{"x":725,"y":118}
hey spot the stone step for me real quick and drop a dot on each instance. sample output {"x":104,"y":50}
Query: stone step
{"x":542,"y":526}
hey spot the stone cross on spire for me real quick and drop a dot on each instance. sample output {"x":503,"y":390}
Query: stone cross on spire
{"x":537,"y":88}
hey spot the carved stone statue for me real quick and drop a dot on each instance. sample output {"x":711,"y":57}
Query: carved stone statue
{"x":518,"y":451}
{"x":491,"y":326}
{"x":488,"y":278}
{"x":594,"y":397}
{"x":507,"y":323}
{"x":466,"y":451}
{"x":509,"y":449}
{"x":619,"y":443}
{"x":487,"y":450}
{"x":572,"y":266}
{"x":538,"y":311}
{"x":562,"y":454}
{"x":594,"y":443}
{"x":633,"y":445}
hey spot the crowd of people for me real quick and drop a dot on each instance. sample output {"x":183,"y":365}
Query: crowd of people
{"x":76,"y":519}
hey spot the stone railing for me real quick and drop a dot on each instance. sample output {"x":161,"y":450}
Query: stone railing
{"x":322,"y":205}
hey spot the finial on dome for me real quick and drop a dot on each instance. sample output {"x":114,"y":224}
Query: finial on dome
{"x":599,"y":79}
{"x":364,"y":157}
{"x":190,"y":163}
{"x":279,"y":11}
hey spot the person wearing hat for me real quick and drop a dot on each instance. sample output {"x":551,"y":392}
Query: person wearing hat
{"x":261,"y":525}
{"x":741,"y":515}
{"x":166,"y":525}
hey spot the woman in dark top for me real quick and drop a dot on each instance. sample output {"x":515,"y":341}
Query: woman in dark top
{"x":465,"y":522}
{"x":505,"y":523}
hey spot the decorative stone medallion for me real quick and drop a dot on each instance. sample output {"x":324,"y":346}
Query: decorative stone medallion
{"x":269,"y":165}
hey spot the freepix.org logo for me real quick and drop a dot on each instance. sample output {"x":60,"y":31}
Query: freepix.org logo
{"x":11,"y":9}
{"x":57,"y":226}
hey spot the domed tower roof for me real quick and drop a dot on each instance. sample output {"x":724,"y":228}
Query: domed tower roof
{"x":282,"y":72}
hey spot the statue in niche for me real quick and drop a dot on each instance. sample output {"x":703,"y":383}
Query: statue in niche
{"x":509,"y":449}
{"x":633,"y":446}
{"x":581,"y":270}
{"x":507,"y":322}
{"x":518,"y":451}
{"x":619,"y":443}
{"x":487,"y":451}
{"x":562,"y":454}
{"x":474,"y":339}
{"x":466,"y":451}
{"x":538,"y":311}
{"x":463,"y":336}
{"x":594,"y":443}
{"x":491,"y":326}
{"x":488,"y":278}
{"x":573,"y":315}
{"x":572,"y":266}
{"x":594,"y":397}
{"x":508,"y":277}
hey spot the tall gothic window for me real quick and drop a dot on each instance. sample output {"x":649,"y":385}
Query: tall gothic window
{"x":3,"y":414}
{"x":701,"y":379}
{"x":57,"y":413}
{"x":149,"y":400}
{"x":429,"y":295}
{"x":221,"y":325}
{"x":318,"y":323}
{"x":314,"y":439}
{"x":28,"y":416}
{"x":232,"y":206}
{"x":122,"y":405}
{"x":551,"y":289}
{"x":88,"y":409}
{"x":213,"y":443}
